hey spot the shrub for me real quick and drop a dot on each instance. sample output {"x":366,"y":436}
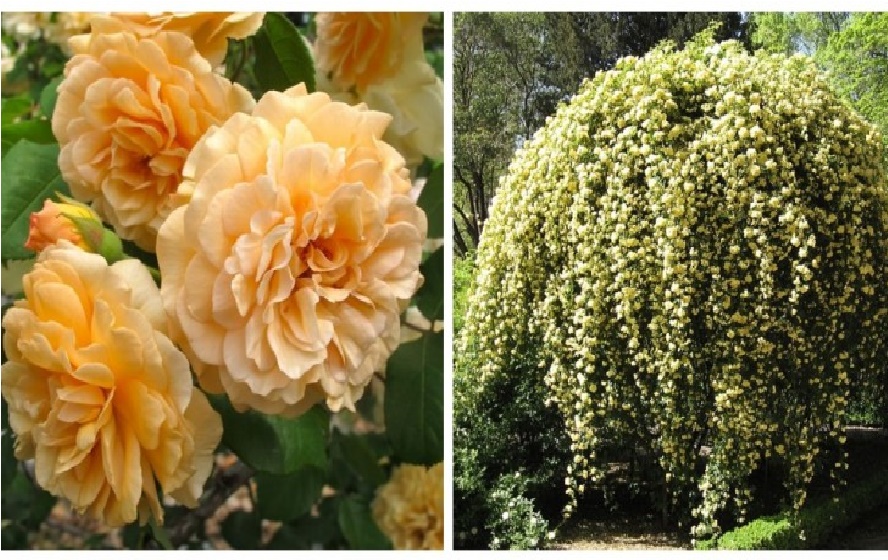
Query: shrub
{"x":496,"y":431}
{"x":514,"y":523}
{"x":691,"y":251}
{"x":812,"y":527}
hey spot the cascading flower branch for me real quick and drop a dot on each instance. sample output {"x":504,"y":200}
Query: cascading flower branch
{"x":692,"y":252}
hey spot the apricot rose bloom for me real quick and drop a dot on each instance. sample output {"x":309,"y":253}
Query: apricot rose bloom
{"x":361,"y":48}
{"x":129,"y":111}
{"x":98,"y":395}
{"x":288,"y":269}
{"x":210,"y":31}
{"x":409,"y":508}
{"x":415,"y":99}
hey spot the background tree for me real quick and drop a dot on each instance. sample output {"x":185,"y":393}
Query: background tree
{"x":851,"y":47}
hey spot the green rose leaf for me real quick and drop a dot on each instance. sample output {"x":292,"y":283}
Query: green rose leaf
{"x":26,"y":504}
{"x":288,"y":537}
{"x":38,"y":131}
{"x":274,"y":444}
{"x":430,"y":298}
{"x":282,"y":55}
{"x":48,"y":97}
{"x":13,"y":108}
{"x":431,"y":199}
{"x":30,"y":176}
{"x":287,"y":497}
{"x":354,"y":458}
{"x":358,"y":526}
{"x":414,"y":400}
{"x":242,"y":530}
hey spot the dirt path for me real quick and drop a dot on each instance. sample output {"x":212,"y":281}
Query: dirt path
{"x":616,"y":534}
{"x":869,"y":534}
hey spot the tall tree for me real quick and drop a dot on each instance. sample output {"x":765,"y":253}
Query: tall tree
{"x":789,"y":32}
{"x":851,"y":47}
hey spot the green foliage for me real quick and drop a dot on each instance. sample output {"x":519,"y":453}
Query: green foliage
{"x":850,"y":47}
{"x":48,"y":97}
{"x":9,"y":467}
{"x":691,"y":252}
{"x":857,"y":61}
{"x":274,"y":444}
{"x":498,"y":428}
{"x":38,"y":131}
{"x":789,"y":32}
{"x":25,"y":505}
{"x":290,"y":496}
{"x":355,"y":463}
{"x":282,"y":56}
{"x":430,"y":299}
{"x":463,"y":274}
{"x":431,"y":199}
{"x":513,"y":523}
{"x":810,"y":528}
{"x":358,"y":527}
{"x":37,"y":63}
{"x":316,"y":474}
{"x":30,"y":176}
{"x":242,"y":529}
{"x":14,"y":108}
{"x":414,"y":404}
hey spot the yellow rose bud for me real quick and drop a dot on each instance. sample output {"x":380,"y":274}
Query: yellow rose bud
{"x":57,"y":221}
{"x":76,"y":222}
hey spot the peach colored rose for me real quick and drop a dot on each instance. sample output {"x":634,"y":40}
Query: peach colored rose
{"x":288,"y":269}
{"x":415,"y":99}
{"x":409,"y":508}
{"x":209,"y":31}
{"x":128,"y":113}
{"x":362,"y":48}
{"x":57,"y":221}
{"x":98,"y":395}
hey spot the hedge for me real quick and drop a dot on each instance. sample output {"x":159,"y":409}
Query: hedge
{"x":813,"y":526}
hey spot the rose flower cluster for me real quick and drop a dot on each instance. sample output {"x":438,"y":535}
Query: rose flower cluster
{"x":287,"y":239}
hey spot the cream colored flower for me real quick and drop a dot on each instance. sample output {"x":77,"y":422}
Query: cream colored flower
{"x":7,"y":62}
{"x":290,"y":265}
{"x":409,"y":508}
{"x":128,"y":113}
{"x":359,"y":49}
{"x":55,"y":27}
{"x":98,"y":395}
{"x":23,"y":26}
{"x":210,"y":31}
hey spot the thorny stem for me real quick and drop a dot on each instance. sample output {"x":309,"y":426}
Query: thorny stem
{"x":223,"y":484}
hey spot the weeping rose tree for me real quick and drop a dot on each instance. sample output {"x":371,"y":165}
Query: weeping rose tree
{"x":691,"y":253}
{"x":276,"y":307}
